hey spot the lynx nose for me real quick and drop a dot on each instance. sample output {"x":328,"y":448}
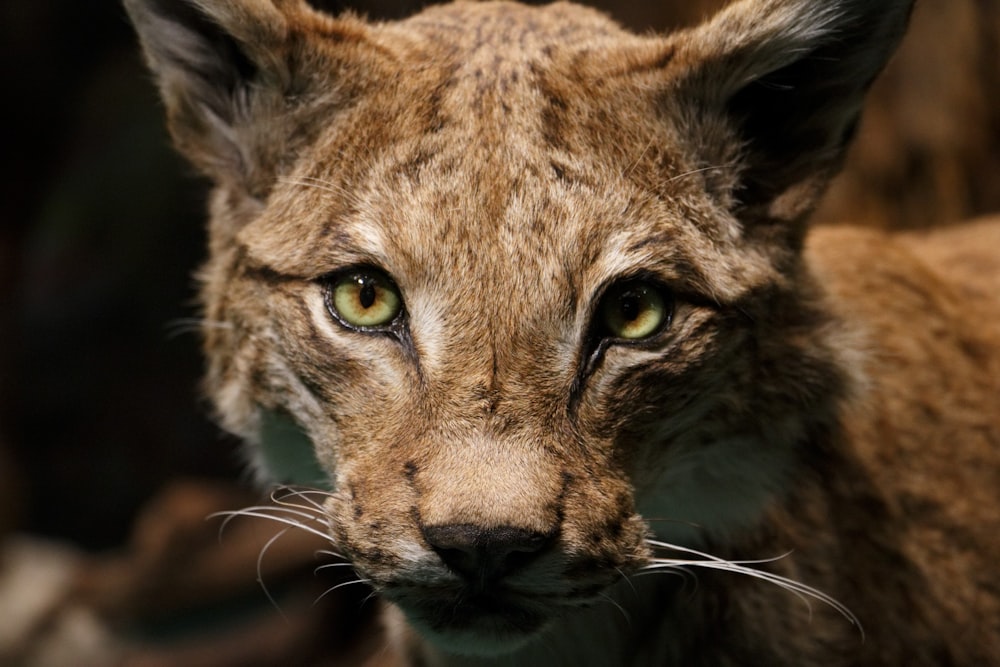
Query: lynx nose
{"x":483,"y":555}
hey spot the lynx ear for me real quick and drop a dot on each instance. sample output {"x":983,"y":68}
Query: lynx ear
{"x":239,"y":79}
{"x":783,"y":82}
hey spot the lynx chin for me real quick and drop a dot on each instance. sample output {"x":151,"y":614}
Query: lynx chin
{"x":531,"y":307}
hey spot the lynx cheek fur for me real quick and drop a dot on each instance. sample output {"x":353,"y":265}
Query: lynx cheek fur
{"x":536,"y":294}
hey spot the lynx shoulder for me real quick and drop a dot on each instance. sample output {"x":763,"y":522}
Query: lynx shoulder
{"x":533,"y":301}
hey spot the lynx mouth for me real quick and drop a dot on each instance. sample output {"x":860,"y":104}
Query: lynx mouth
{"x":475,"y":623}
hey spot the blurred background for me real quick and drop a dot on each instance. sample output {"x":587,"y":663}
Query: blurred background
{"x":101,"y":229}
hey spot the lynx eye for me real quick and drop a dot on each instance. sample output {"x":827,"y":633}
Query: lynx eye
{"x":364,"y":299}
{"x":635,"y":310}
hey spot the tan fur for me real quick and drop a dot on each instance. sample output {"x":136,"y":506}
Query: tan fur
{"x":499,"y":467}
{"x":927,"y":148}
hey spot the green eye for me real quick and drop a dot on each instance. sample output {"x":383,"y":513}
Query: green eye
{"x":365,"y":299}
{"x":635,"y":310}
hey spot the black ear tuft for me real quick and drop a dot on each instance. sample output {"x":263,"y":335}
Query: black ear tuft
{"x":215,"y":63}
{"x":186,"y":47}
{"x":789,"y":78}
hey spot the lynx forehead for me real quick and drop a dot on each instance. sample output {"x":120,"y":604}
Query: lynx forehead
{"x":494,"y":158}
{"x":530,"y":298}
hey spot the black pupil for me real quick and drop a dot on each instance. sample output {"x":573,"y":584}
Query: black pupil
{"x":631,"y":305}
{"x":366,"y":297}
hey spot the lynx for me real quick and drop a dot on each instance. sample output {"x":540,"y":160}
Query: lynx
{"x":530,"y":304}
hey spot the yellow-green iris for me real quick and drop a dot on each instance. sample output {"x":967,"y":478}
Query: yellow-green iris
{"x":634,"y":310}
{"x":365,"y":299}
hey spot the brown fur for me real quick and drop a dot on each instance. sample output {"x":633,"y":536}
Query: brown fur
{"x":928,"y":148}
{"x":497,"y":461}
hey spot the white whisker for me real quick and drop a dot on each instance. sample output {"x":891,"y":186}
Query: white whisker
{"x":710,"y":557}
{"x":292,"y":515}
{"x":710,"y":562}
{"x":261,"y":513}
{"x":340,"y":585}
{"x":628,"y":581}
{"x":272,"y":512}
{"x":304,"y":494}
{"x":675,"y":568}
{"x":312,"y":512}
{"x":303,"y":511}
{"x":260,"y":574}
{"x":328,"y":566}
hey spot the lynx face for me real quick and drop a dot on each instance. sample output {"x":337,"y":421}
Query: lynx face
{"x":529,"y":285}
{"x":495,"y":407}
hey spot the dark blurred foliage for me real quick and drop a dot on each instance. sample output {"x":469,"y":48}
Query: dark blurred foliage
{"x":101,"y":232}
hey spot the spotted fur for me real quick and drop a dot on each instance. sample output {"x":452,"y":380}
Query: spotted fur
{"x":819,"y":413}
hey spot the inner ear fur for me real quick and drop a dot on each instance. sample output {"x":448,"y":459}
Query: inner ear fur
{"x":772,"y":90}
{"x":241,"y":80}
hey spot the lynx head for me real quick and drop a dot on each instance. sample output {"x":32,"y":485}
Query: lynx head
{"x":519,"y":288}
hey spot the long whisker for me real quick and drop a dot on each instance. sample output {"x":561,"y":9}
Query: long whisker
{"x":287,"y":508}
{"x":627,"y":580}
{"x":328,"y":566}
{"x":710,"y":557}
{"x":305,"y":495}
{"x":340,"y":585}
{"x":262,"y":512}
{"x":304,"y":515}
{"x":260,"y":574}
{"x":273,"y":512}
{"x":291,"y":509}
{"x":710,"y":562}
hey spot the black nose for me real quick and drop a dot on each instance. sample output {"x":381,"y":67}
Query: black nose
{"x":483,"y":555}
